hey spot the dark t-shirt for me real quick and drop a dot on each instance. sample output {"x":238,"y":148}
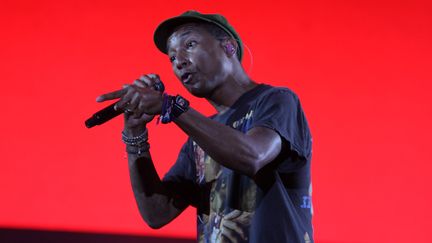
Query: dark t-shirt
{"x":275,"y":205}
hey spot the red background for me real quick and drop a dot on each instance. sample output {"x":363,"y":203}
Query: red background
{"x":361,"y":68}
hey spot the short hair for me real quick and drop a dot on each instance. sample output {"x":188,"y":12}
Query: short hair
{"x":217,"y":32}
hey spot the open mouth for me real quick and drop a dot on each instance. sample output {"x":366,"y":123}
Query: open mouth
{"x":186,"y":78}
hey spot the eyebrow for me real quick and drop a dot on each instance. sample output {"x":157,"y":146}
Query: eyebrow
{"x":187,"y":32}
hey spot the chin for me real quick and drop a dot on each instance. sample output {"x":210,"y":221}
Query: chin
{"x":201,"y":89}
{"x":199,"y":92}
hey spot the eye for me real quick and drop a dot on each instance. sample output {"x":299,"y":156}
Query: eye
{"x":172,"y":58}
{"x":191,"y":44}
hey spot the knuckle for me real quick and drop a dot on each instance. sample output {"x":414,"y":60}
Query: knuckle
{"x":144,"y":77}
{"x":152,"y":75}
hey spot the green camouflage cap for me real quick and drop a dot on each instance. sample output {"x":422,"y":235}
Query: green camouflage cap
{"x":165,"y":29}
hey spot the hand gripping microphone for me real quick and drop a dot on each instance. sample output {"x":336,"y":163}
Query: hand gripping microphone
{"x":109,"y":112}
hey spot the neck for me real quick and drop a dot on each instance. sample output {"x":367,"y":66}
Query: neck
{"x":230,"y":91}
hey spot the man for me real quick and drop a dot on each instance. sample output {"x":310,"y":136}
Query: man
{"x":247,"y":168}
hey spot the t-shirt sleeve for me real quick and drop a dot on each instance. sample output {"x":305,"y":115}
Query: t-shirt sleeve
{"x":182,"y":170}
{"x":180,"y":179}
{"x":281,"y":111}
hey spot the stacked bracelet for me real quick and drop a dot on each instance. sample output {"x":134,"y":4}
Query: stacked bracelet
{"x":136,"y":145}
{"x":135,"y":141}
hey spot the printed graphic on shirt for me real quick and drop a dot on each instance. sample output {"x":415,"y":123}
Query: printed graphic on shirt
{"x":232,"y":197}
{"x":310,"y":198}
{"x":223,"y":223}
{"x":199,"y":156}
{"x":245,"y":121}
{"x":306,"y":238}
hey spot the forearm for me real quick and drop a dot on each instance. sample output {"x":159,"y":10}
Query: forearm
{"x":229,"y":147}
{"x":154,"y":201}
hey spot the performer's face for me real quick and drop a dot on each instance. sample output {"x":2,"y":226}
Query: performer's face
{"x":198,"y":59}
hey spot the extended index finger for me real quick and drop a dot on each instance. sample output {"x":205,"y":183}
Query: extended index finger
{"x":110,"y":96}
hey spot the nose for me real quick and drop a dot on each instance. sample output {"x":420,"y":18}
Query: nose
{"x":182,"y":61}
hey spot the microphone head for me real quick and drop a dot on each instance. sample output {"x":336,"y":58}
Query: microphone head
{"x":89,"y":123}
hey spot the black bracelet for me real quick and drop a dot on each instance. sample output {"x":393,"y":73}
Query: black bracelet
{"x":180,"y":106}
{"x":138,"y":150}
{"x":172,"y":107}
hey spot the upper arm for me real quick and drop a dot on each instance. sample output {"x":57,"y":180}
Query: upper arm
{"x":280,"y":124}
{"x":267,"y":143}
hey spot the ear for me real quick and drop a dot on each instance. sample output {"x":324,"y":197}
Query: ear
{"x":229,"y":46}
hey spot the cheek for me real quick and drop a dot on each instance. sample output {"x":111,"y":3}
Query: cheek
{"x":208,"y":62}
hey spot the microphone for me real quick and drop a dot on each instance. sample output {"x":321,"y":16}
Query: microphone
{"x":109,"y":112}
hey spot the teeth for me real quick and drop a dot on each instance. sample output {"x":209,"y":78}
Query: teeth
{"x":186,"y":77}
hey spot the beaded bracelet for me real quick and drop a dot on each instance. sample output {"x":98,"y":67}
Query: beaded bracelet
{"x":135,"y":141}
{"x":136,"y":145}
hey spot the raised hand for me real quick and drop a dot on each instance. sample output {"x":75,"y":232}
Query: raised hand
{"x":139,"y":100}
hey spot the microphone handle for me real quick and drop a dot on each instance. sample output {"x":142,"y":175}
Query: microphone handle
{"x":103,"y":116}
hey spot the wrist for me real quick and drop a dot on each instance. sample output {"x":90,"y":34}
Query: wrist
{"x":173,"y":107}
{"x":138,"y":150}
{"x":134,"y":131}
{"x":136,"y":145}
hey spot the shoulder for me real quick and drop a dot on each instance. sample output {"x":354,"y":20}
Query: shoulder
{"x":274,"y":94}
{"x":268,"y":90}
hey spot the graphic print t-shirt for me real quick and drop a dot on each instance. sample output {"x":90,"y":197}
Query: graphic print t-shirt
{"x":275,"y":205}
